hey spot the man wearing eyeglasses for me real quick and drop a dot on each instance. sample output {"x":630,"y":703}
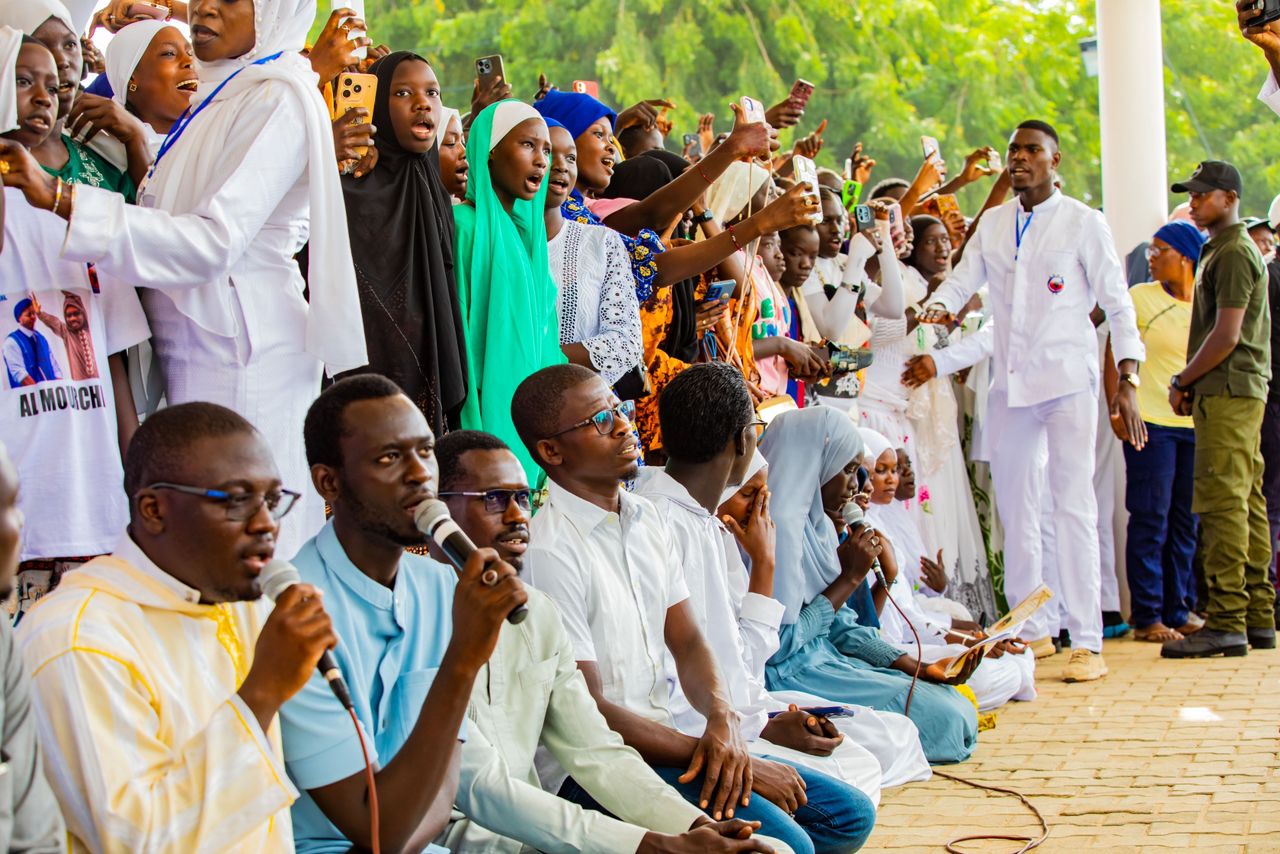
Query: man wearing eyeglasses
{"x":413,"y":634}
{"x":157,"y":670}
{"x":531,"y":694}
{"x":605,"y":558}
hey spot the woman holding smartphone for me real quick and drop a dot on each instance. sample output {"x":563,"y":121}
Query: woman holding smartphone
{"x":236,"y":190}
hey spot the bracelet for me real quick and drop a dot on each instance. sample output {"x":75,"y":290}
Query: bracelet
{"x":57,"y":197}
{"x":733,"y":237}
{"x":705,"y":216}
{"x":703,"y":174}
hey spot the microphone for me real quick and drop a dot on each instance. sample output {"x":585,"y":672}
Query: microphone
{"x":433,"y":519}
{"x":279,"y":575}
{"x":855,"y":518}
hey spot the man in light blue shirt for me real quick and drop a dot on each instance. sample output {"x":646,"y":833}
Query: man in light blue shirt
{"x":411,"y":638}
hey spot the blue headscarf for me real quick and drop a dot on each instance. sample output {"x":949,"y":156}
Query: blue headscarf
{"x":21,"y":306}
{"x":805,"y":448}
{"x":575,"y":111}
{"x":1184,"y":237}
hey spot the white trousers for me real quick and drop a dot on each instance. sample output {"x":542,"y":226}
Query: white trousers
{"x":1068,"y":428}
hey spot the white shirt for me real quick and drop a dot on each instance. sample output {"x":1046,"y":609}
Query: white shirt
{"x":613,"y":577}
{"x":61,"y":433}
{"x":834,"y":316}
{"x":702,"y":546}
{"x":1041,"y":294}
{"x":597,"y":297}
{"x":1270,"y":94}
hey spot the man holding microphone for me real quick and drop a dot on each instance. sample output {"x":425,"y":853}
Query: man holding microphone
{"x":1048,"y":260}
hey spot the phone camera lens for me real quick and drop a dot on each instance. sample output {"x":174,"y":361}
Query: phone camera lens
{"x":346,"y":93}
{"x":357,"y":87}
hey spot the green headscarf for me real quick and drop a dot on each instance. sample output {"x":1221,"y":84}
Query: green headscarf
{"x":506,"y":293}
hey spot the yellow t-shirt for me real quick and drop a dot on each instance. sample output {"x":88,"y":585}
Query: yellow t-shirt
{"x":1164,"y":324}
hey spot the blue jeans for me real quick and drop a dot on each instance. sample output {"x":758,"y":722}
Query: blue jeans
{"x":837,"y":819}
{"x":1162,"y":528}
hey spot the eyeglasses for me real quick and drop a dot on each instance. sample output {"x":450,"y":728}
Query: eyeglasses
{"x":241,"y":506}
{"x":498,"y":500}
{"x":759,"y":426}
{"x":1154,"y":252}
{"x":603,"y":420}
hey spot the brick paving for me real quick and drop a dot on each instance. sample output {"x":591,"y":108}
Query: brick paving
{"x":1159,"y":756}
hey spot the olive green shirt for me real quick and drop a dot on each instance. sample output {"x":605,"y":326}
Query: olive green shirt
{"x":1231,"y":275}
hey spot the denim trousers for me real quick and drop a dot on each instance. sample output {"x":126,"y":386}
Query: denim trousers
{"x":1162,"y":529}
{"x":837,"y":818}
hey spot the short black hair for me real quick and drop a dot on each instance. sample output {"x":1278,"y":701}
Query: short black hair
{"x":451,"y":446}
{"x":795,"y":231}
{"x":880,"y":190}
{"x":536,"y":405}
{"x":160,"y":448}
{"x":703,"y":409}
{"x":830,"y":192}
{"x":1043,"y":127}
{"x":322,"y":430}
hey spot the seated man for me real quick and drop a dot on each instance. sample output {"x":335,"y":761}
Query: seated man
{"x":413,"y":637}
{"x":158,"y":669}
{"x":710,"y":445}
{"x":531,"y":693}
{"x":29,"y":817}
{"x":604,"y":557}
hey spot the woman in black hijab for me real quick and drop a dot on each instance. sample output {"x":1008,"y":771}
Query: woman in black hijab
{"x":401,"y":223}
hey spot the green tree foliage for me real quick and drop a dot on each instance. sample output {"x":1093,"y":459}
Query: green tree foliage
{"x":965,"y":71}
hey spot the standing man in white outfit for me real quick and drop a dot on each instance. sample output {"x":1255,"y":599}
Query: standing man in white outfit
{"x":1047,"y":261}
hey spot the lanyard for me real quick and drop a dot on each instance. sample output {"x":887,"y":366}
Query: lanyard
{"x":1019,"y":230}
{"x":188,"y":115}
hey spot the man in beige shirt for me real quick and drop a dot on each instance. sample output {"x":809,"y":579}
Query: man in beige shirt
{"x":531,"y":693}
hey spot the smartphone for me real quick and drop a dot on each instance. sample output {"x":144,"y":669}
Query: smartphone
{"x":720,"y":290}
{"x":851,"y":194}
{"x":356,"y":6}
{"x":995,"y":164}
{"x":896,"y":228}
{"x":801,"y":90}
{"x":1270,"y":12}
{"x":771,"y":407}
{"x":752,"y":110}
{"x":864,"y":217}
{"x":148,"y":10}
{"x":584,"y":87}
{"x":947,"y":205}
{"x":847,"y":360}
{"x":931,"y":147}
{"x":693,"y":143}
{"x":355,"y":90}
{"x":807,"y":173}
{"x":488,"y":68}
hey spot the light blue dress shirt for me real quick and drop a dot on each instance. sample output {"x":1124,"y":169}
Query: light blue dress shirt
{"x":390,"y":645}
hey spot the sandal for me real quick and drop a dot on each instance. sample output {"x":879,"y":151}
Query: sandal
{"x":1157,"y":633}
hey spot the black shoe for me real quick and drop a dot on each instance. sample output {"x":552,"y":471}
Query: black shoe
{"x":1064,"y":639}
{"x":1206,"y":643}
{"x":1057,"y":645}
{"x":1262,"y":638}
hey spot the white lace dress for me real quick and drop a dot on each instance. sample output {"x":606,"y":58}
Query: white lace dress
{"x":597,"y":297}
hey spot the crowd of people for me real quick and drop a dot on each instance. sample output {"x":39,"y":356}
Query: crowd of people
{"x":743,"y":458}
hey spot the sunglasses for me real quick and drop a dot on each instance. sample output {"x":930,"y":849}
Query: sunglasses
{"x":498,"y":500}
{"x":604,"y":420}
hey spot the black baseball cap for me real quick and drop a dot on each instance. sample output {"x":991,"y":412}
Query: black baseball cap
{"x":1211,"y":175}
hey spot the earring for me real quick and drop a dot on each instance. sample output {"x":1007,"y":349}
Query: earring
{"x":133,"y":87}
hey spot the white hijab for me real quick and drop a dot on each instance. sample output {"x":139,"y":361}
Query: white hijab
{"x":731,"y":192}
{"x":447,"y":115}
{"x":10,"y":44}
{"x":29,"y":15}
{"x":507,"y":116}
{"x":182,"y":181}
{"x":125,"y":51}
{"x":757,"y":462}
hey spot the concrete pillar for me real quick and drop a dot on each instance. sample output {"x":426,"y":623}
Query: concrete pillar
{"x":1135,"y":180}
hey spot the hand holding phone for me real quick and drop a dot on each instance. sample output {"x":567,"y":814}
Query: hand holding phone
{"x":721,"y":290}
{"x":807,"y":173}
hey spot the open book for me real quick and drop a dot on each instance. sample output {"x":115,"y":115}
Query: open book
{"x":1005,"y":628}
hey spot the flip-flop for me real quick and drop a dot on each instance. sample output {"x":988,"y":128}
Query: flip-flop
{"x":1154,"y":635}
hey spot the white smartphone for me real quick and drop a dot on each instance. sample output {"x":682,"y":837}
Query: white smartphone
{"x":752,"y":110}
{"x":356,"y":6}
{"x":807,"y":173}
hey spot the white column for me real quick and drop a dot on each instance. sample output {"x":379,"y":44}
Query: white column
{"x":1131,"y":104}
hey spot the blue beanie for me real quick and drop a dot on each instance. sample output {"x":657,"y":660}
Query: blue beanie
{"x":21,"y":306}
{"x":1184,"y":237}
{"x":574,"y":110}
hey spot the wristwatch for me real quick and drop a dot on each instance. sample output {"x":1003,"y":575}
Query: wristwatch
{"x":1133,"y":380}
{"x":1175,"y":382}
{"x":705,"y":216}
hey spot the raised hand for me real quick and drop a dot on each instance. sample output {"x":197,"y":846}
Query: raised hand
{"x":335,"y":50}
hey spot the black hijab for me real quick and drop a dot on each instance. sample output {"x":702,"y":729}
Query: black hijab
{"x":400,"y":220}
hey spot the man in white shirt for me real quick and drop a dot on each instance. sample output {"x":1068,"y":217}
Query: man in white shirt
{"x":605,"y":559}
{"x":532,"y":694}
{"x":1047,"y":261}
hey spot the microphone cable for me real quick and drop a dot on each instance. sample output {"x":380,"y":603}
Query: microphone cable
{"x":375,"y":843}
{"x":915,"y":677}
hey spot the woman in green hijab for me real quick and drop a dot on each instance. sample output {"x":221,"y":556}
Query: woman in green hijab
{"x":505,"y":289}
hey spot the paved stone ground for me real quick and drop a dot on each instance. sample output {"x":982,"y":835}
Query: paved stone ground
{"x":1159,"y":756}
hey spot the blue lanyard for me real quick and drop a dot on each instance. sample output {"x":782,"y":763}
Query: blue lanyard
{"x":188,"y":115}
{"x":1019,"y":231}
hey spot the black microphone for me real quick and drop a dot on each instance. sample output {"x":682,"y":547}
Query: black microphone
{"x":433,"y":519}
{"x":277,"y":576}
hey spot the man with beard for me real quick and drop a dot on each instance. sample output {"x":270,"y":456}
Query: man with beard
{"x":73,"y":329}
{"x":532,"y":694}
{"x":1048,"y":261}
{"x":412,"y":637}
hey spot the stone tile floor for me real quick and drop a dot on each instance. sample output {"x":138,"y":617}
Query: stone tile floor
{"x":1158,"y":756}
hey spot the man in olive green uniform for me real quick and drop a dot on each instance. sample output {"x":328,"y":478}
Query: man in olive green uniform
{"x":1224,"y":388}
